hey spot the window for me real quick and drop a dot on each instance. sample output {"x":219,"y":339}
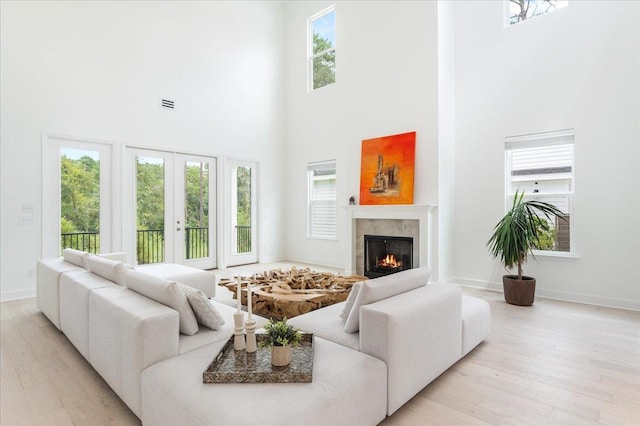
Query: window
{"x":542,"y":165}
{"x":322,"y":199}
{"x":322,"y":49}
{"x":521,"y":10}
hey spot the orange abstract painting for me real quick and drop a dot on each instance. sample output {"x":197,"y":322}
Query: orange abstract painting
{"x":387,"y":168}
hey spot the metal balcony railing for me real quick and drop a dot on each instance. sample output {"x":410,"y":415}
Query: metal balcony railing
{"x":196,"y":243}
{"x":85,"y":241}
{"x":243,"y":239}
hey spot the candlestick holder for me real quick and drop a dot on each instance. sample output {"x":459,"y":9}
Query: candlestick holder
{"x":238,"y":341}
{"x":251,"y":336}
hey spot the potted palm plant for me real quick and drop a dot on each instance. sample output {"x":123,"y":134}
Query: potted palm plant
{"x":280,"y":337}
{"x":514,"y":238}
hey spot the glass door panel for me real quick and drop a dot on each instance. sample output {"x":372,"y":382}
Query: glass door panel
{"x":242,"y":242}
{"x":196,"y":210}
{"x":242,"y":209}
{"x":150,"y":209}
{"x":80,"y":199}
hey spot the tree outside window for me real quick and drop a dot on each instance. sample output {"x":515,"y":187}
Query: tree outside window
{"x":322,"y":49}
{"x":521,"y":10}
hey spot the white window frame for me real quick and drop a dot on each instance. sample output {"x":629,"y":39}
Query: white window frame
{"x":310,"y":55}
{"x":311,"y":229}
{"x":552,"y":138}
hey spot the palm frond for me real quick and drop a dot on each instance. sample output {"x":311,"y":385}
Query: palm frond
{"x":516,"y":234}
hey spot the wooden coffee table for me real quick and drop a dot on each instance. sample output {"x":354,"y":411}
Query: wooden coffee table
{"x":277,"y":294}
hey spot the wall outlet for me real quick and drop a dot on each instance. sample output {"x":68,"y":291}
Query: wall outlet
{"x":31,"y":272}
{"x":27,"y":209}
{"x":25,"y":219}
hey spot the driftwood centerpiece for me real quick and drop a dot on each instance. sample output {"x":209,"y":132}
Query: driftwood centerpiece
{"x":278,"y":294}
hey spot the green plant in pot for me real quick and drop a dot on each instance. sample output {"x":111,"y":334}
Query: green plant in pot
{"x":514,"y":239}
{"x":280,"y":337}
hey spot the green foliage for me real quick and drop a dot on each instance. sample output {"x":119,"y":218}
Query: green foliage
{"x":324,"y":66}
{"x":150,"y":247}
{"x":281,"y":334}
{"x":546,"y":235}
{"x":244,"y":196}
{"x":197,"y":195}
{"x":80,"y":204}
{"x":516,"y":235}
{"x":150,"y":196}
{"x":80,"y":194}
{"x":66,"y":226}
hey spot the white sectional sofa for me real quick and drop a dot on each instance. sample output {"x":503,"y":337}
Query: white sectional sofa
{"x":418,"y":330}
{"x":373,"y":353}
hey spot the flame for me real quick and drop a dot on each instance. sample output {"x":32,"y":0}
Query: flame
{"x":390,"y":261}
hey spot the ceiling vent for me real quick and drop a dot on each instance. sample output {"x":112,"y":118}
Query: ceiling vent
{"x":166,"y":103}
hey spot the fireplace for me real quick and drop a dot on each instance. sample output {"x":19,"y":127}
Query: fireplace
{"x":385,"y":255}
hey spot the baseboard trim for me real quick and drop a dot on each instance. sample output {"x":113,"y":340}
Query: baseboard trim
{"x":271,"y":259}
{"x":5,"y":296}
{"x":587,"y":299}
{"x":319,"y":262}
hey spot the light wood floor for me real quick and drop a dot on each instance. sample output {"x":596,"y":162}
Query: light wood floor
{"x":554,"y":363}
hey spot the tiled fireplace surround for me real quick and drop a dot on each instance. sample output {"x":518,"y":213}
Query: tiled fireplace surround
{"x":416,"y":221}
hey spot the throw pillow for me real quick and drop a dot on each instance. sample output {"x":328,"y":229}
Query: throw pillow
{"x":74,"y":256}
{"x":166,"y":292}
{"x":355,"y":289}
{"x":203,"y":308}
{"x":106,"y":268}
{"x":119,"y":272}
{"x":383,"y":288}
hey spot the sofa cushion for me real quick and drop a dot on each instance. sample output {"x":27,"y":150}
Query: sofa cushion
{"x":74,"y":256}
{"x":326,"y":323}
{"x":166,"y":292}
{"x":118,"y":256}
{"x":75,"y":288}
{"x":383,"y":288}
{"x":106,"y":268}
{"x":476,"y":322}
{"x":204,"y":281}
{"x":48,"y":286}
{"x":204,"y":310}
{"x":348,"y":388}
{"x":346,"y":310}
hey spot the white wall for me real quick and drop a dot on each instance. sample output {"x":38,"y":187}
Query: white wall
{"x":578,"y":67}
{"x":446,"y":140}
{"x":386,"y":83}
{"x":99,"y":69}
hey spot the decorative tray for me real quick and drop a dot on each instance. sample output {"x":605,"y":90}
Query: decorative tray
{"x":231,"y":366}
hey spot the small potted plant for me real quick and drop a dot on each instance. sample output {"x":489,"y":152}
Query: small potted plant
{"x":280,"y":337}
{"x":514,"y":238}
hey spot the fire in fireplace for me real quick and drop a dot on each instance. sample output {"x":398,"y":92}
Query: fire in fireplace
{"x":384,"y":255}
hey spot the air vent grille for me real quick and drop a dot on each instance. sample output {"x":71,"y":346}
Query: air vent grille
{"x":166,"y":103}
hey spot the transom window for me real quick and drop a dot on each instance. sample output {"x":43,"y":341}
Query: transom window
{"x":522,"y":10}
{"x":321,"y":179}
{"x":322,"y":48}
{"x":542,"y":165}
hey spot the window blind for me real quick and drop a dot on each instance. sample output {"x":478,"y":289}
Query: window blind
{"x":322,"y":200}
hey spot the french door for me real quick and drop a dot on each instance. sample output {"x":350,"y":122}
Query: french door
{"x":241,"y":236}
{"x":172,"y":205}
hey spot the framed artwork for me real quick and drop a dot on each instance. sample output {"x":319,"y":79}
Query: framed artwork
{"x":387,"y":169}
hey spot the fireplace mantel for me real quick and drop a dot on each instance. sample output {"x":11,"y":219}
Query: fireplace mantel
{"x":423,"y":213}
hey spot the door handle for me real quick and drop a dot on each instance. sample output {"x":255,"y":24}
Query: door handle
{"x":177,"y":229}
